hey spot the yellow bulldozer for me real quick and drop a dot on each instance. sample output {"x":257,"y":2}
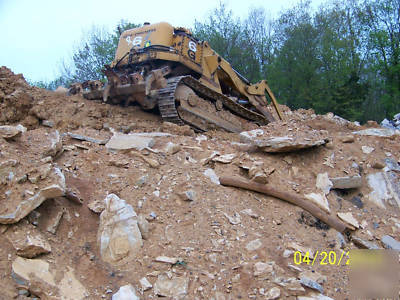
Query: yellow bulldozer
{"x":166,"y":68}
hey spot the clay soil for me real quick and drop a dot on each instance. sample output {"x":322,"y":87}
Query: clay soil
{"x":213,"y":250}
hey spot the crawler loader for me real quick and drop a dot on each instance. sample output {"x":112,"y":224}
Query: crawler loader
{"x":166,"y":69}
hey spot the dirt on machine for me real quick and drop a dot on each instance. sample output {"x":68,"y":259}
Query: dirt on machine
{"x":166,"y":69}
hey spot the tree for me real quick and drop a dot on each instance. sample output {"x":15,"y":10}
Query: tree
{"x":228,"y":37}
{"x":96,"y":50}
{"x":381,"y":19}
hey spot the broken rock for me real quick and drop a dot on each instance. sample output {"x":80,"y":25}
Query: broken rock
{"x":34,"y":272}
{"x":382,"y":132}
{"x":349,"y":219}
{"x":282,"y":143}
{"x":323,"y":183}
{"x":29,"y":242}
{"x":273,"y":294}
{"x":9,"y":132}
{"x":254,"y":245}
{"x":188,"y":195}
{"x":97,"y":206}
{"x":171,"y":148}
{"x":348,"y":182}
{"x":225,"y":159}
{"x":54,"y":145}
{"x":390,"y":243}
{"x":261,"y":268}
{"x":146,"y":285}
{"x":320,"y":200}
{"x":126,"y":292}
{"x":144,"y":226}
{"x":120,"y":141}
{"x":71,"y":288}
{"x":26,"y":206}
{"x":118,"y":235}
{"x":175,"y":287}
{"x":364,"y":244}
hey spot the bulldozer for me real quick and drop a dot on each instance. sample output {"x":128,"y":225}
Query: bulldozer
{"x":166,"y":69}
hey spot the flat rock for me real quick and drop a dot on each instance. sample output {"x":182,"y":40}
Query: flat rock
{"x":363,"y":243}
{"x":225,"y":159}
{"x":261,"y":268}
{"x":390,"y":243}
{"x":24,"y":207}
{"x":9,"y":132}
{"x":248,"y":136}
{"x":307,"y":282}
{"x":292,"y":285}
{"x":37,"y":275}
{"x":119,"y":236}
{"x":282,"y":143}
{"x":175,"y":287}
{"x":313,"y":275}
{"x":126,"y":292}
{"x":273,"y":294}
{"x":70,"y":287}
{"x":120,"y":141}
{"x":166,"y":259}
{"x":254,"y":245}
{"x":29,"y":242}
{"x":146,"y":285}
{"x":24,"y":270}
{"x":314,"y":296}
{"x":80,"y":137}
{"x":348,"y":182}
{"x":287,"y":144}
{"x":349,"y":219}
{"x":320,"y":200}
{"x":382,"y":132}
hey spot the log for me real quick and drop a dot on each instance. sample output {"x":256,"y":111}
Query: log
{"x":286,"y":196}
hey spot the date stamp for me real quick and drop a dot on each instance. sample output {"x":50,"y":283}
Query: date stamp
{"x":323,"y":258}
{"x":341,"y":258}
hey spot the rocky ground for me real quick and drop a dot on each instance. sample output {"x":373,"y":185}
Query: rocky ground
{"x":101,"y":201}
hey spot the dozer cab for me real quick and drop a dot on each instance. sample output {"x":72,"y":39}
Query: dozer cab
{"x":166,"y":69}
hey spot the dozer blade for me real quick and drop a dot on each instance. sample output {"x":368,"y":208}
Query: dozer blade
{"x":121,"y":90}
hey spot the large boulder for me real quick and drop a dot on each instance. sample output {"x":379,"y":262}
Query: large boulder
{"x":119,"y":236}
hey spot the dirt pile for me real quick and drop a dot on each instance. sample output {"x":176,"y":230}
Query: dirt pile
{"x":167,"y":226}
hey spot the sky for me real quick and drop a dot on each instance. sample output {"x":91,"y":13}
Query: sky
{"x":37,"y":35}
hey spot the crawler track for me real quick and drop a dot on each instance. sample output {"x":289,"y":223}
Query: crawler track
{"x":168,"y":108}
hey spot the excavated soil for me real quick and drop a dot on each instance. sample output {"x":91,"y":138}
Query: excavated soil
{"x":208,"y":234}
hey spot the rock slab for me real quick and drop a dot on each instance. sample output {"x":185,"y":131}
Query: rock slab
{"x":121,"y":141}
{"x":174,"y":287}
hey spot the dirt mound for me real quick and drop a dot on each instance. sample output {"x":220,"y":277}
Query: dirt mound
{"x":168,"y":227}
{"x":15,"y":98}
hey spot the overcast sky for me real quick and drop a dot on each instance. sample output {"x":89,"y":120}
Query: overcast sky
{"x":36,"y":35}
